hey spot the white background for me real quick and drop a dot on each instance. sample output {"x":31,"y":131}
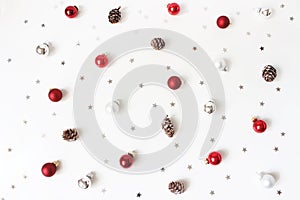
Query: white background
{"x":39,"y":140}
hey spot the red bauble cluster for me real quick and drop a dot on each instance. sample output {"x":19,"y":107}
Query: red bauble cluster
{"x":174,"y":82}
{"x":71,"y":11}
{"x":126,"y":161}
{"x":49,"y":169}
{"x":223,"y":22}
{"x":259,"y":126}
{"x":214,"y":158}
{"x":55,"y":95}
{"x":173,"y":8}
{"x":101,"y":60}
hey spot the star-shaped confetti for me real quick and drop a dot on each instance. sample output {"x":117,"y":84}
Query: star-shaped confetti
{"x":228,"y":177}
{"x":176,"y":145}
{"x":172,"y":104}
{"x":78,"y":44}
{"x":282,"y":134}
{"x":141,"y":85}
{"x":224,"y":50}
{"x":278,"y":89}
{"x":279,"y":192}
{"x":190,"y":167}
{"x":241,"y":87}
{"x":223,"y":117}
{"x":212,"y":140}
{"x":63,"y":63}
{"x":90,"y":107}
{"x":195,"y":48}
{"x":132,"y":128}
{"x":27,"y":97}
{"x":9,"y":149}
{"x":269,"y":35}
{"x":282,"y":6}
{"x":43,"y":25}
{"x":37,"y":81}
{"x":103,"y":190}
{"x":131,"y":60}
{"x":162,"y":169}
{"x":81,"y":78}
{"x":262,"y":48}
{"x":138,"y":194}
{"x":25,"y":121}
{"x":244,"y":149}
{"x":25,"y":21}
{"x":261,"y":103}
{"x":109,"y":81}
{"x":103,"y":136}
{"x":168,"y":67}
{"x":248,"y":33}
{"x":212,"y":192}
{"x":276,"y":149}
{"x":9,"y":60}
{"x":54,"y":114}
{"x":13,"y":186}
{"x":106,"y":161}
{"x":292,"y":18}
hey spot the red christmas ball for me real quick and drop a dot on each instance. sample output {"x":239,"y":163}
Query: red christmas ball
{"x":214,"y":158}
{"x":126,"y":161}
{"x":259,"y":126}
{"x":223,"y":22}
{"x":71,"y":11}
{"x":174,"y":82}
{"x":55,"y":95}
{"x":49,"y":169}
{"x":173,"y":8}
{"x":101,"y":60}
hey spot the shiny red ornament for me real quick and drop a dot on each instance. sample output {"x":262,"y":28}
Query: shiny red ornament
{"x":223,"y":22}
{"x":173,"y":8}
{"x":71,"y":11}
{"x":49,"y":169}
{"x":126,"y":160}
{"x":101,"y":60}
{"x":55,"y":95}
{"x":259,"y":126}
{"x":214,"y":158}
{"x":174,"y":82}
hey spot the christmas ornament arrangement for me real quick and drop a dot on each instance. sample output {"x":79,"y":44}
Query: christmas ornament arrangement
{"x":269,"y":74}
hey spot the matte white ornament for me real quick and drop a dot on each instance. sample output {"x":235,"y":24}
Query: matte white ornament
{"x":210,"y":107}
{"x":113,"y":107}
{"x":267,"y":180}
{"x":264,"y":12}
{"x":221,"y":64}
{"x":86,"y":182}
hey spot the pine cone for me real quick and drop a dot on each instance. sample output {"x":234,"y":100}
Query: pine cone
{"x":70,"y":134}
{"x":157,"y":43}
{"x":114,"y":15}
{"x":269,"y":73}
{"x":176,"y":187}
{"x":168,"y":127}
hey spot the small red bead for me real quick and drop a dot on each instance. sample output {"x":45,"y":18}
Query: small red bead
{"x":126,"y":161}
{"x":259,"y":126}
{"x":71,"y":11}
{"x":173,"y":8}
{"x":214,"y":158}
{"x":101,"y":60}
{"x":55,"y":95}
{"x":174,"y":82}
{"x":223,"y":22}
{"x":49,"y":169}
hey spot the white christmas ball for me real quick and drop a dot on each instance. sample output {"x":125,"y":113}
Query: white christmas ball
{"x":210,"y":107}
{"x":221,"y":64}
{"x":267,"y":180}
{"x":113,"y":107}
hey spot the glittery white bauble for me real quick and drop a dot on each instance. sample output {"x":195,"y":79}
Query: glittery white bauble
{"x":113,"y":107}
{"x":221,"y":64}
{"x":210,"y":107}
{"x":267,"y":180}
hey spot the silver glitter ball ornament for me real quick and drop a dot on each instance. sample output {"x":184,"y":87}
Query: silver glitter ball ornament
{"x":210,"y":107}
{"x":43,"y":49}
{"x":86,"y":182}
{"x":267,"y":180}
